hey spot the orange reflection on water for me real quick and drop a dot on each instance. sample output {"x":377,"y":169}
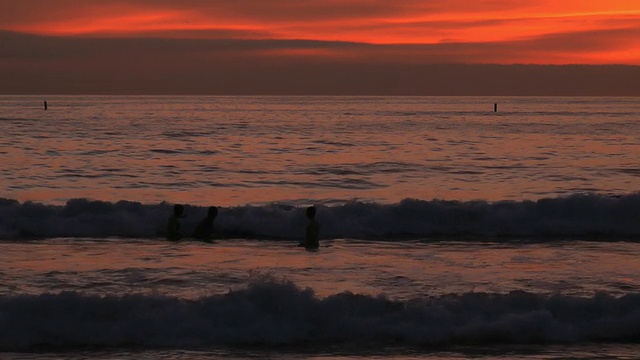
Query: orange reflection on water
{"x":400,"y":270}
{"x":231,"y":151}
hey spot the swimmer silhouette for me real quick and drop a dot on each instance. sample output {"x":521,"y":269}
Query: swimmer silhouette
{"x":313,"y":230}
{"x":173,"y":225}
{"x":204,"y":230}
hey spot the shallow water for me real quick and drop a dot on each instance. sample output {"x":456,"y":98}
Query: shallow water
{"x":361,"y":299}
{"x":399,"y":270}
{"x":594,"y":352}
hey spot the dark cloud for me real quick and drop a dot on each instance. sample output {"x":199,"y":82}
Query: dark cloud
{"x":584,"y":41}
{"x":38,"y":64}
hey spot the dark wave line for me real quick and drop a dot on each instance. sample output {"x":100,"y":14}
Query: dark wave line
{"x":587,"y":217}
{"x":278,"y":313}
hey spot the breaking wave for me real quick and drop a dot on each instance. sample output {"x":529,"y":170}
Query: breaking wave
{"x":572,"y":216}
{"x":278,"y":313}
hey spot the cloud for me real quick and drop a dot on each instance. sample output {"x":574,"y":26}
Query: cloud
{"x":38,"y":64}
{"x":199,"y":45}
{"x":462,"y":23}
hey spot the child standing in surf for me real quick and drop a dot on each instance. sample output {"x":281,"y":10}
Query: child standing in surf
{"x":173,"y":225}
{"x":312,"y":234}
{"x":204,"y":230}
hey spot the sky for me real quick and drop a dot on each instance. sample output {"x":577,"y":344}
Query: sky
{"x":408,"y":47}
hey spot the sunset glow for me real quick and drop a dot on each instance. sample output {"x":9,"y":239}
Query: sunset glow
{"x":411,"y":47}
{"x":589,"y":32}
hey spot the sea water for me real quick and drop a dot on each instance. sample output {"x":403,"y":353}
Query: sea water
{"x":448,"y":230}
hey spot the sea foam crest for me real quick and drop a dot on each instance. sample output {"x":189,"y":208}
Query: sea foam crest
{"x":270,"y":313}
{"x":577,"y":215}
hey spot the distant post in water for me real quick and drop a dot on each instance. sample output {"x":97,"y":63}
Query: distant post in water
{"x":495,"y":107}
{"x":45,"y":105}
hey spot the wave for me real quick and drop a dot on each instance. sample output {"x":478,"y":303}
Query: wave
{"x":590,"y":215}
{"x":278,"y":313}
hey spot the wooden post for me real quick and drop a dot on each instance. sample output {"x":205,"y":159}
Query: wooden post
{"x":495,"y":107}
{"x":45,"y":105}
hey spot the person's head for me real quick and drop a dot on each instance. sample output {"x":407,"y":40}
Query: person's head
{"x":178,"y":210}
{"x":311,"y":212}
{"x":213,"y":212}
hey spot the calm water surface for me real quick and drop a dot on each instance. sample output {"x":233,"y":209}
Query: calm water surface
{"x":239,"y":150}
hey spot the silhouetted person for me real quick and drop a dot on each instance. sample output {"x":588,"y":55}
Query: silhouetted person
{"x":173,"y":225}
{"x":204,"y":230}
{"x":313,"y":230}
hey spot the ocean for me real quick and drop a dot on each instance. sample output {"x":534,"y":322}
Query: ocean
{"x":447,"y":230}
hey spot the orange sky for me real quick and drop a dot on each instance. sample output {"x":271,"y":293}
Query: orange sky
{"x":533,"y":31}
{"x":327,"y":46}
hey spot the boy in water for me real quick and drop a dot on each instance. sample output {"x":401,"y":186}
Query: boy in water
{"x":204,"y":230}
{"x":313,"y":229}
{"x":173,"y":225}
